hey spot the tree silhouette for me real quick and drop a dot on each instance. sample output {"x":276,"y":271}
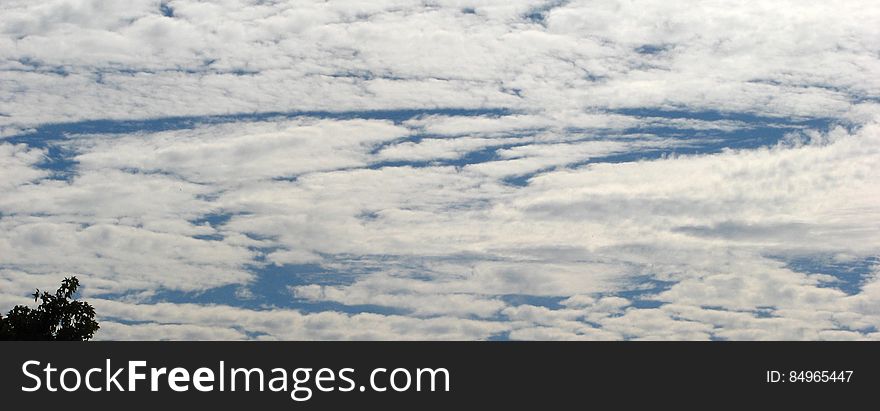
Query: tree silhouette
{"x":58,"y":317}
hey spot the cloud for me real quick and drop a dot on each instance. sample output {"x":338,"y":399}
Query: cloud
{"x":232,"y":154}
{"x":17,"y":162}
{"x":92,"y":59}
{"x":451,"y":242}
{"x":450,"y":170}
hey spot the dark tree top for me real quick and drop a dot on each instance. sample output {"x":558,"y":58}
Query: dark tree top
{"x":59,"y":317}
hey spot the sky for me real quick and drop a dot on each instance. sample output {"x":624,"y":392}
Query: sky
{"x":445,"y":170}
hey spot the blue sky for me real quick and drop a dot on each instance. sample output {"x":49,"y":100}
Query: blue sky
{"x":445,"y":169}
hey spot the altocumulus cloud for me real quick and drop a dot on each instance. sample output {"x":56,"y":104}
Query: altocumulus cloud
{"x":446,"y":169}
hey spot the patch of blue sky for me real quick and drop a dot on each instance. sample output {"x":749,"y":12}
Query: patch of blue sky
{"x":213,"y":219}
{"x":849,"y":275}
{"x":551,"y":302}
{"x":100,"y":75}
{"x":759,"y":131}
{"x":651,"y":49}
{"x":642,"y":292}
{"x":56,"y":131}
{"x":539,"y":14}
{"x":711,"y":115}
{"x":502,"y":336}
{"x":521,"y":180}
{"x":758,"y":312}
{"x":693,"y":142}
{"x":216,"y":220}
{"x":59,"y":160}
{"x":166,"y":10}
{"x":756,"y":131}
{"x":270,"y":290}
{"x":39,"y":67}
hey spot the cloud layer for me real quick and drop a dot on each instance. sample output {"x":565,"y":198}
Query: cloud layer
{"x":446,"y":169}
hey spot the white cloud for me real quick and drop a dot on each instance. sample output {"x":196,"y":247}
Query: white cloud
{"x":95,"y":59}
{"x":447,"y":244}
{"x":17,"y":163}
